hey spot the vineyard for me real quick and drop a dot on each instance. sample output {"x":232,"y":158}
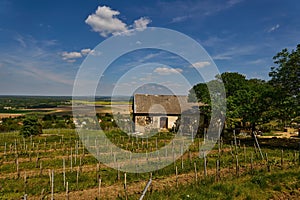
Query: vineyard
{"x":55,"y":165}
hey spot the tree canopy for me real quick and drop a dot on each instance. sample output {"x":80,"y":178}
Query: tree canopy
{"x":31,"y":126}
{"x":286,"y":79}
{"x":257,"y":101}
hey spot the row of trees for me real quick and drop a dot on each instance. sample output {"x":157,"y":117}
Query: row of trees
{"x":256,"y":101}
{"x":32,"y":125}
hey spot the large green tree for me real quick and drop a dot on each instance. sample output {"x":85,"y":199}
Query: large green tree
{"x":247,"y":100}
{"x":286,"y":78}
{"x":251,"y":104}
{"x":233,"y":82}
{"x":31,"y":126}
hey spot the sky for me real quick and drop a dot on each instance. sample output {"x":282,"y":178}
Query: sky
{"x":45,"y":43}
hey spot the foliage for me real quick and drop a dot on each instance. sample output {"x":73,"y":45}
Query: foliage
{"x":256,"y":101}
{"x":248,"y":100}
{"x":286,"y":76}
{"x":251,"y":104}
{"x":286,"y":79}
{"x":53,"y":121}
{"x":31,"y":126}
{"x":57,"y":144}
{"x":10,"y":124}
{"x":17,"y":102}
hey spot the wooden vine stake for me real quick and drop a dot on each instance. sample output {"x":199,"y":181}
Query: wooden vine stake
{"x":195,"y":168}
{"x":25,"y":182}
{"x":5,"y":150}
{"x":97,"y":171}
{"x":118,"y":176}
{"x":237,"y":168}
{"x":71,"y":160}
{"x":67,"y":191}
{"x":251,"y":160}
{"x":217,"y":170}
{"x":281,"y":160}
{"x":52,"y":185}
{"x":42,"y":194}
{"x":235,"y":143}
{"x":41,"y":168}
{"x":205,"y":164}
{"x":77,"y":176}
{"x":18,"y":170}
{"x":64,"y":172}
{"x":176,"y":173}
{"x":257,"y":144}
{"x":125,"y":186}
{"x":99,"y":188}
{"x":245,"y":158}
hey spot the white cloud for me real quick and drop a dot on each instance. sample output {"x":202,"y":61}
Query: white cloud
{"x":105,"y":22}
{"x":41,"y":74}
{"x":180,"y":19}
{"x":21,"y":40}
{"x":167,"y":71}
{"x":231,"y":3}
{"x":222,"y":57}
{"x":71,"y":60}
{"x":213,"y":41}
{"x":258,"y":61}
{"x":50,"y":42}
{"x":85,"y":52}
{"x":274,"y":28}
{"x":201,"y":64}
{"x":236,"y":51}
{"x":70,"y":55}
{"x":141,"y":23}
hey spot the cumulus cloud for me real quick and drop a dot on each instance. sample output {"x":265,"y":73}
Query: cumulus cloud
{"x":201,"y":64}
{"x":274,"y":28}
{"x":72,"y":56}
{"x":167,"y":71}
{"x":141,"y":23}
{"x":86,"y":51}
{"x":105,"y":21}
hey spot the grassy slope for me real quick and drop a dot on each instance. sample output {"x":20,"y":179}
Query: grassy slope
{"x":261,"y":185}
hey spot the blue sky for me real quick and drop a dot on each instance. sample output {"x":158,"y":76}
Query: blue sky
{"x":43,"y":43}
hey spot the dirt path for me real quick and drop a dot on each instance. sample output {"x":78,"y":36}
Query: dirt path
{"x":281,"y":135}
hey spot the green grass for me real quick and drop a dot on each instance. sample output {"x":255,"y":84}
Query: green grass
{"x":261,"y":186}
{"x":230,"y":187}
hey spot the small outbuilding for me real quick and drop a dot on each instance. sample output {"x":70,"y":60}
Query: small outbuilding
{"x":159,"y":112}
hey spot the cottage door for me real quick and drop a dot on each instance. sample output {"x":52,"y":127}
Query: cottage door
{"x":163,"y":122}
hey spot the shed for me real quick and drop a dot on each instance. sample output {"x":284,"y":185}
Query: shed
{"x":159,"y":112}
